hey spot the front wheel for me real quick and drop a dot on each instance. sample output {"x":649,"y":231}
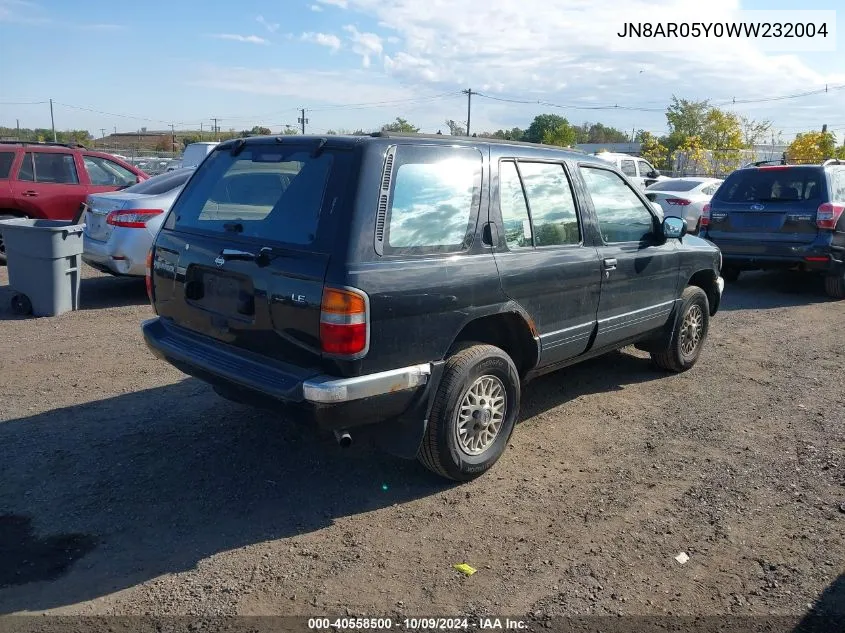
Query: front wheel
{"x":474,"y":413}
{"x":690,"y":333}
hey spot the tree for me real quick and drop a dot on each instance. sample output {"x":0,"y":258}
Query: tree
{"x":812,"y":147}
{"x":187,"y":140}
{"x":289,"y":130}
{"x":514,"y":134}
{"x":723,"y":135}
{"x":653,"y":150}
{"x":455,"y":129}
{"x":753,"y":132}
{"x":599,"y":133}
{"x":541,"y":124}
{"x":563,"y":135}
{"x":690,"y":157}
{"x":685,"y":118}
{"x":400,"y":125}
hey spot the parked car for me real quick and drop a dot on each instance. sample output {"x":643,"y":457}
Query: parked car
{"x":684,"y":197}
{"x":361,"y":281}
{"x":639,"y":170}
{"x":782,"y":217}
{"x":51,"y":180}
{"x":194,"y":154}
{"x":120,"y":226}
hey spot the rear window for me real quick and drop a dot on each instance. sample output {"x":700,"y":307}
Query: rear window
{"x":6,"y":159}
{"x":265,"y":191}
{"x":434,"y":199}
{"x":674,"y":185}
{"x":161,"y":183}
{"x":772,"y":185}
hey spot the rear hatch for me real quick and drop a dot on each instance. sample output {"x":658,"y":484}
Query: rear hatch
{"x":243,"y":254}
{"x":768,"y":204}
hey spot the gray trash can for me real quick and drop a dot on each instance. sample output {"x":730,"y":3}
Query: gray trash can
{"x":44,"y":260}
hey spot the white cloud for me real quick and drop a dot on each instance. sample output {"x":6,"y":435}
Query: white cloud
{"x":272,"y":27}
{"x":248,"y":39}
{"x":367,"y":45}
{"x":336,"y":3}
{"x":323,"y":39}
{"x":316,"y":7}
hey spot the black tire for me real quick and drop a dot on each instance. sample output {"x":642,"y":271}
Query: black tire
{"x":2,"y":246}
{"x":695,"y":308}
{"x":834,"y":285}
{"x":441,"y":451}
{"x":21,"y":305}
{"x":730,"y":273}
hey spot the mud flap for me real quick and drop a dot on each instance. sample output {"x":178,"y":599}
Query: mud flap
{"x":402,"y":436}
{"x":663,"y":338}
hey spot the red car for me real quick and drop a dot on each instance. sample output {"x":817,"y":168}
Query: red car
{"x":51,"y":180}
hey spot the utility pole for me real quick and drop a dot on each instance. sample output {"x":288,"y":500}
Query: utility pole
{"x":302,"y":120}
{"x":468,"y":93}
{"x":115,"y":129}
{"x":172,"y":137}
{"x":18,"y":126}
{"x":103,"y":132}
{"x":52,"y":121}
{"x":215,"y":129}
{"x":201,"y":131}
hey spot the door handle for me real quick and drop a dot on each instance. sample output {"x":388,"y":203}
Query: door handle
{"x":610,"y":264}
{"x":29,"y":193}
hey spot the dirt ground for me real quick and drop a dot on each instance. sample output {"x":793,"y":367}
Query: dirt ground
{"x":127,"y":488}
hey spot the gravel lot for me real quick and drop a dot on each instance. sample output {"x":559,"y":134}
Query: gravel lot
{"x":127,"y":488}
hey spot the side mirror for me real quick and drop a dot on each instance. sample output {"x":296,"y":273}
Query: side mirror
{"x":653,"y":174}
{"x":674,"y":227}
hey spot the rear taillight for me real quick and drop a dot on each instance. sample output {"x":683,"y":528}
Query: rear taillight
{"x":828,"y":215}
{"x":148,"y":275}
{"x":705,"y":215}
{"x":134,"y":219}
{"x":343,"y":322}
{"x":680,"y":202}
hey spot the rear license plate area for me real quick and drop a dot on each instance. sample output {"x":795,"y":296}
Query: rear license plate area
{"x":222,"y":293}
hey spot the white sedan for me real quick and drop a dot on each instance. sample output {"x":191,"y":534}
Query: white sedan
{"x":684,"y":197}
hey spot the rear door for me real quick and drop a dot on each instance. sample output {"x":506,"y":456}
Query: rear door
{"x":7,"y":159}
{"x":48,"y":185}
{"x":543,"y":261}
{"x":207,"y":275}
{"x":767,"y":204}
{"x":640,"y":274}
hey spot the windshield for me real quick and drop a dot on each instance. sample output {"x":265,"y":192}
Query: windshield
{"x":161,"y":183}
{"x":265,"y":191}
{"x":675,"y":185}
{"x":772,"y":185}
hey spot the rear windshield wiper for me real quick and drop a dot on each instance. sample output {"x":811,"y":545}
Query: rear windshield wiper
{"x":233,"y":227}
{"x":262,"y":257}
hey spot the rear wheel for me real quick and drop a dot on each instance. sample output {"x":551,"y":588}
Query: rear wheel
{"x":730,"y":273}
{"x":834,"y":285}
{"x":474,"y":413}
{"x":21,"y":305}
{"x":690,"y":333}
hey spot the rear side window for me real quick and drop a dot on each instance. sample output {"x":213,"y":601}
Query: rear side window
{"x":772,"y":185}
{"x":551,"y":203}
{"x":266,"y":191}
{"x":6,"y":159}
{"x":837,"y":185}
{"x":104,"y":172}
{"x":628,"y":168}
{"x":49,"y":168}
{"x":435,"y":195}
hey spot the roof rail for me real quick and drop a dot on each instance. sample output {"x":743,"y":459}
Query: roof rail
{"x":43,"y":143}
{"x":478,"y":139}
{"x":833,"y":161}
{"x":760,"y":163}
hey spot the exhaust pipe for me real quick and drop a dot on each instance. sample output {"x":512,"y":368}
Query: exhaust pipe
{"x":343,"y":439}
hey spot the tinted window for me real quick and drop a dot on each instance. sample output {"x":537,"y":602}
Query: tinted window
{"x":517,"y":224}
{"x":837,"y":182}
{"x":161,"y":183}
{"x":621,"y":214}
{"x":674,"y":185}
{"x":434,"y":199}
{"x":551,"y":203}
{"x":49,"y":168}
{"x":104,"y":172}
{"x":645,"y":167}
{"x":771,"y":185}
{"x":6,"y":159}
{"x":26,"y":172}
{"x":265,"y":191}
{"x":628,"y":168}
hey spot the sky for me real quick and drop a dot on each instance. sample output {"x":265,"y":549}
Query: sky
{"x":361,"y":63}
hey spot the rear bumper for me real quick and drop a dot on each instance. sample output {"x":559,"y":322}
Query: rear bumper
{"x":752,"y":255}
{"x":124,"y":253}
{"x":332,"y":403}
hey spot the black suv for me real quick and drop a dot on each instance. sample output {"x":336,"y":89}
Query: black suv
{"x":781,"y":216}
{"x":409,"y":285}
